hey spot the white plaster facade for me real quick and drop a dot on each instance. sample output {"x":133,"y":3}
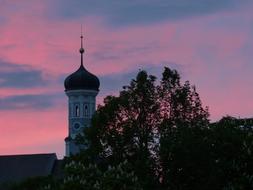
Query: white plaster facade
{"x":81,"y":107}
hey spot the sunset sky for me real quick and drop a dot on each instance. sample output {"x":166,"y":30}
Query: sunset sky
{"x":210,"y":43}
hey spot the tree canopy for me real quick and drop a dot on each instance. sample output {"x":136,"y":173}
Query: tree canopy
{"x":157,"y":135}
{"x":135,"y":124}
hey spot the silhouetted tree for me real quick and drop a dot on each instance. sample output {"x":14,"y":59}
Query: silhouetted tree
{"x":131,"y":126}
{"x":181,"y":111}
{"x":214,"y":157}
{"x":126,"y":126}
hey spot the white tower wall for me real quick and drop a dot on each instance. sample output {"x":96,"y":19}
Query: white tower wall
{"x":81,"y":107}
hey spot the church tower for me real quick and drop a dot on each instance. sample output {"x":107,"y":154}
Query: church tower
{"x":81,"y":87}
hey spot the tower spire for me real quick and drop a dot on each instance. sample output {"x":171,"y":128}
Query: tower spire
{"x":81,"y":49}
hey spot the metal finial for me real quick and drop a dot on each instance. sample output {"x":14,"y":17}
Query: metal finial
{"x":81,"y":49}
{"x":81,"y":30}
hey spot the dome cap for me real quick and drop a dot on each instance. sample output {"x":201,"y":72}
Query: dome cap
{"x":81,"y":79}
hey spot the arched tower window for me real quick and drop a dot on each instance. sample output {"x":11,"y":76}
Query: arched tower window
{"x":77,"y":111}
{"x":86,"y":110}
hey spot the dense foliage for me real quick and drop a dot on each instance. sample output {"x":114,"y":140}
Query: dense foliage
{"x":135,"y":124}
{"x":156,"y":135}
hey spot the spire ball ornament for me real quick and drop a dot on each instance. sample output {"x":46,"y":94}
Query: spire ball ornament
{"x":81,"y":50}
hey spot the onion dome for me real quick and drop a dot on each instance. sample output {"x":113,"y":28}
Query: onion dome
{"x":81,"y":79}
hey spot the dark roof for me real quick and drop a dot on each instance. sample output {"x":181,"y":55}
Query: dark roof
{"x":81,"y":80}
{"x":19,"y":167}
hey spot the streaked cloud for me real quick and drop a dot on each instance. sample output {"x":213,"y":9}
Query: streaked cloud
{"x":19,"y":76}
{"x":28,"y":102}
{"x":123,"y":13}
